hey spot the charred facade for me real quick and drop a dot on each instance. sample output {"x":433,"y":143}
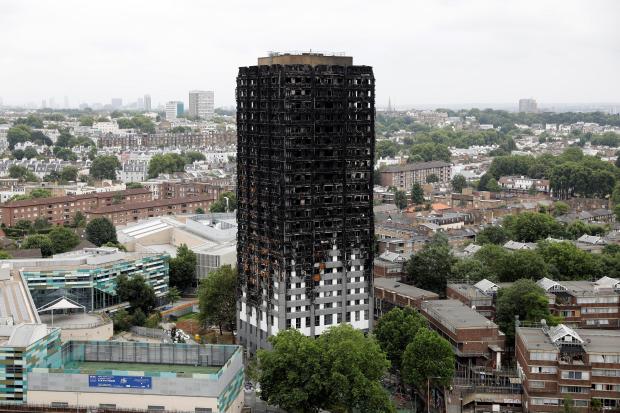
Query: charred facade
{"x":305,"y":222}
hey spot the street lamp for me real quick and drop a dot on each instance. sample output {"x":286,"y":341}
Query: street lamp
{"x":227,"y":200}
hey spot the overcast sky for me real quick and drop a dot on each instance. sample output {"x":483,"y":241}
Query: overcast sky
{"x":423,"y":52}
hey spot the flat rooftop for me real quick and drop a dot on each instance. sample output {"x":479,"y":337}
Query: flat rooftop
{"x":305,"y":58}
{"x":596,"y":341}
{"x":395,"y":286}
{"x":16,"y":305}
{"x":455,"y":315}
{"x":469,"y":291}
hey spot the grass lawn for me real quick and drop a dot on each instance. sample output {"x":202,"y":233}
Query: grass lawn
{"x":190,"y":316}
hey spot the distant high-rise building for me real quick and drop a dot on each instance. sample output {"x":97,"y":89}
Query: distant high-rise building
{"x":180,"y":108}
{"x":305,"y":158}
{"x":528,"y":106}
{"x":201,"y":103}
{"x":172,"y":109}
{"x":147,"y":103}
{"x":116,"y":103}
{"x":66,"y":102}
{"x":140,"y":103}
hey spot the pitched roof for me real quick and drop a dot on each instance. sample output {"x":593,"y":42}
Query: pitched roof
{"x":486,"y":286}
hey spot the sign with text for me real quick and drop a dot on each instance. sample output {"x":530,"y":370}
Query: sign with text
{"x":127,"y":382}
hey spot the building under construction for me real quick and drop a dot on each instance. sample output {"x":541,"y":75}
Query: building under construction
{"x":305,"y":161}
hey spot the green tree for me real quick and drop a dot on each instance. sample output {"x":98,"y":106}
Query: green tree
{"x":86,"y":120}
{"x":493,"y":257}
{"x":18,"y":154}
{"x":432,"y":178}
{"x":100,"y":230}
{"x":18,"y":134}
{"x":353,"y":365}
{"x":291,"y":374}
{"x":183,"y":268}
{"x":522,"y":264}
{"x":136,"y":292}
{"x":40,"y":193}
{"x":199,"y":210}
{"x":30,"y":152}
{"x":221,"y":205}
{"x":472,"y":270}
{"x":66,"y":154}
{"x":193,"y":156}
{"x":395,"y":330}
{"x":166,"y":163}
{"x":63,"y":239}
{"x":133,"y":185}
{"x":617,"y":212}
{"x":5,"y":255}
{"x":429,"y":358}
{"x":400,"y":199}
{"x":493,"y":186}
{"x":430,"y":268}
{"x":217,"y":298}
{"x":458,"y":183}
{"x":22,"y":173}
{"x":532,"y":226}
{"x":560,"y":208}
{"x":525,"y":299}
{"x":79,"y":220}
{"x":417,"y":194}
{"x":122,"y":320}
{"x":41,"y":224}
{"x":173,"y":295}
{"x":430,"y":152}
{"x":492,"y":235}
{"x":567,"y":262}
{"x":69,"y":173}
{"x":43,"y":242}
{"x":105,"y":167}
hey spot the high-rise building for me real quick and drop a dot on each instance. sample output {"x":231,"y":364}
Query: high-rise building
{"x":116,"y":103}
{"x":528,"y":105}
{"x":180,"y":108}
{"x":147,"y":103}
{"x":172,"y":109}
{"x":201,"y":103}
{"x":304,"y":188}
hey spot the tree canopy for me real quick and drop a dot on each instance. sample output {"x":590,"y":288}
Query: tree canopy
{"x":396,"y":329}
{"x":100,"y":231}
{"x":183,"y":268}
{"x":218,"y":299}
{"x":430,"y":268}
{"x":221,"y":205}
{"x":338,"y":371}
{"x":428,"y":357}
{"x":104,"y":167}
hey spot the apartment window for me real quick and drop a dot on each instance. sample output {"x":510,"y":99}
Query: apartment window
{"x":59,"y":404}
{"x":348,"y":317}
{"x":307,"y":321}
{"x":288,"y":323}
{"x":317,"y":320}
{"x":540,"y":401}
{"x":107,"y":406}
{"x":156,"y":408}
{"x":575,"y":375}
{"x":203,"y":410}
{"x":542,"y":355}
{"x":573,"y":389}
{"x":339,"y":318}
{"x":605,"y":387}
{"x":298,"y":323}
{"x":536,"y":384}
{"x":357,"y":315}
{"x":606,"y":372}
{"x":328,"y":319}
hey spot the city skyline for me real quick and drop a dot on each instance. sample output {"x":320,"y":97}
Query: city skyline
{"x":424,"y":53}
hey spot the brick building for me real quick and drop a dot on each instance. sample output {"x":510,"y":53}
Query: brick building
{"x":585,"y":304}
{"x":473,"y":337}
{"x":560,"y":365}
{"x":480,"y":296}
{"x":404,"y":176}
{"x":190,"y":189}
{"x":126,"y":213}
{"x":390,"y":293}
{"x":61,"y":210}
{"x":158,"y":140}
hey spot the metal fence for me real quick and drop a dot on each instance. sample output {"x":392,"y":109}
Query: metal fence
{"x":149,"y":353}
{"x":151,"y":333}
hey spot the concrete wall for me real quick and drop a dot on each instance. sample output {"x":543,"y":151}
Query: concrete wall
{"x":103,"y":332}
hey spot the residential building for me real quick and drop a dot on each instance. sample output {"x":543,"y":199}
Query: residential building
{"x":480,"y":296}
{"x":474,"y":338}
{"x":561,"y":365}
{"x":390,"y":293}
{"x":61,"y":210}
{"x":585,"y":304}
{"x":208,"y":139}
{"x":125,"y":213}
{"x":147,"y":103}
{"x":304,"y":177}
{"x":88,"y":276}
{"x":133,"y":171}
{"x":528,"y":106}
{"x":173,"y":109}
{"x":201,"y":104}
{"x":524,"y":184}
{"x":403,"y":177}
{"x":116,"y":103}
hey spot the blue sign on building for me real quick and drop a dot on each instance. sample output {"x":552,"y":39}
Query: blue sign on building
{"x":127,"y":382}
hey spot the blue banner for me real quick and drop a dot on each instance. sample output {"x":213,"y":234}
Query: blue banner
{"x":127,"y":382}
